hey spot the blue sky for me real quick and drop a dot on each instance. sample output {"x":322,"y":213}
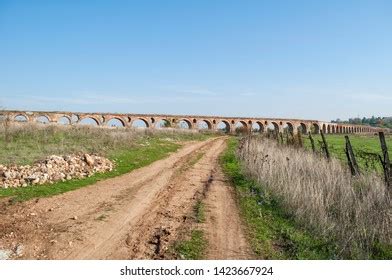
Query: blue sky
{"x":297,"y":59}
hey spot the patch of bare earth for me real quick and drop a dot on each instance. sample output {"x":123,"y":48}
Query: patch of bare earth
{"x":223,"y":226}
{"x":138,"y":215}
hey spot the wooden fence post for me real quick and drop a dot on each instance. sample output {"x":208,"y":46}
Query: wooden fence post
{"x":352,"y":162}
{"x":325,"y":146}
{"x":385,"y":160}
{"x":312,"y":142}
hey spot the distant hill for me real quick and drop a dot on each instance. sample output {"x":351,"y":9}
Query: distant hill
{"x":373,"y":121}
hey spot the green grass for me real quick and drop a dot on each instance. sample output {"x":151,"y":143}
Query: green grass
{"x":361,"y":144}
{"x":128,"y":148}
{"x":126,"y":160}
{"x":27,"y":144}
{"x":192,"y":248}
{"x":273,"y":234}
{"x":199,"y":212}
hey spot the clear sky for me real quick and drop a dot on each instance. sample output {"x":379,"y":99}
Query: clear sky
{"x":300,"y":59}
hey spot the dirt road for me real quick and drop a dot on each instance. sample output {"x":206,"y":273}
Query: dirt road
{"x":134,"y":216}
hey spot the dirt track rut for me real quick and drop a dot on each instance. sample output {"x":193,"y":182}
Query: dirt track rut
{"x":134,"y":216}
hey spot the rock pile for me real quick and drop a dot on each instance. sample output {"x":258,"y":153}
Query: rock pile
{"x":53,"y":169}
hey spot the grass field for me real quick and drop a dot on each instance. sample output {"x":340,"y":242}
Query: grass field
{"x":300,"y":205}
{"x":28,"y":143}
{"x":273,"y":233}
{"x":362,"y":145}
{"x":129,"y":149}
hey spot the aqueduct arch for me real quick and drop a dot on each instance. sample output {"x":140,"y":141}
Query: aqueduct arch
{"x":217,"y":123}
{"x":139,"y":122}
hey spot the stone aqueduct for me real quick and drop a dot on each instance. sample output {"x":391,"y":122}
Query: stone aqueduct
{"x":191,"y":122}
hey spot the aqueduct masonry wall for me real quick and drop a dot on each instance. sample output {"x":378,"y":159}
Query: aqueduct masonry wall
{"x":153,"y":121}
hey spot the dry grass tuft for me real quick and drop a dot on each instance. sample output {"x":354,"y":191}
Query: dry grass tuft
{"x":355,"y":212}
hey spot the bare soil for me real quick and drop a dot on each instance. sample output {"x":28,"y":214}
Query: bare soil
{"x":138,"y":215}
{"x":223,"y":226}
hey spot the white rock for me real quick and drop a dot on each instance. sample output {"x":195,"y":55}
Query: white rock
{"x":5,"y":254}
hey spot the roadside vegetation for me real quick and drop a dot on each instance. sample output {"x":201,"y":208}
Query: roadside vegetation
{"x":25,"y":144}
{"x":297,"y":205}
{"x":366,"y":148}
{"x":127,"y":148}
{"x":193,"y":247}
{"x":194,"y":244}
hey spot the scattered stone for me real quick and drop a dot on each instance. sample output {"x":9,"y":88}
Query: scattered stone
{"x":5,"y":254}
{"x":19,"y":250}
{"x":7,"y":174}
{"x":89,"y":160}
{"x":75,"y":218}
{"x":53,"y":169}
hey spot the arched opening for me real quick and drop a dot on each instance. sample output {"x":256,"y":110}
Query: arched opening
{"x":203,"y":125}
{"x":21,"y":118}
{"x":333,"y":129}
{"x":324,"y":128}
{"x":184,"y":124}
{"x":328,"y":129}
{"x":64,"y":120}
{"x":115,"y":122}
{"x":302,"y":128}
{"x":257,"y":127}
{"x":42,"y":120}
{"x":223,"y":126}
{"x":74,"y":119}
{"x":163,"y":123}
{"x":241,"y":127}
{"x":288,"y":128}
{"x":140,"y":123}
{"x":315,"y":129}
{"x":89,"y":121}
{"x":273,"y":127}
